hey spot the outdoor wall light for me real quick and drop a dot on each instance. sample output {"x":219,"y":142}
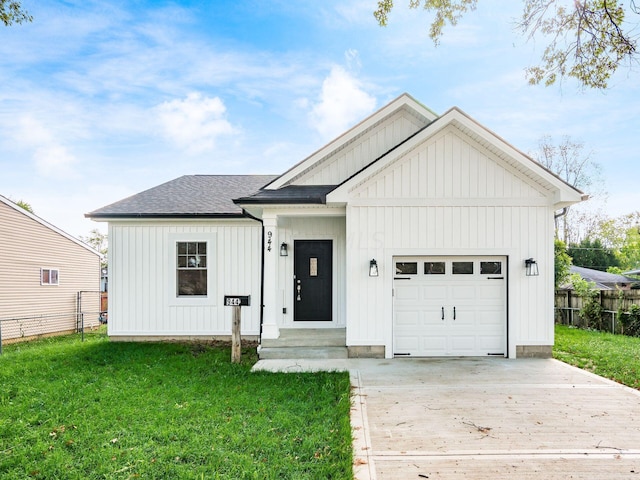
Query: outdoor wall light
{"x":531,"y":267}
{"x":284,"y":250}
{"x":373,"y":268}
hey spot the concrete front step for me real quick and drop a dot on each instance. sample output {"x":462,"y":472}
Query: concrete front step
{"x":308,"y":337}
{"x":305,"y":343}
{"x":275,"y":353}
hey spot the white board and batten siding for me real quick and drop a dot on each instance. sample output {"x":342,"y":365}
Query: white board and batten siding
{"x":449,"y":197}
{"x":357,"y":154}
{"x":142,"y":261}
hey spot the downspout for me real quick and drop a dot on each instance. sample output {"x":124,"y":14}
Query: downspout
{"x":562,"y":213}
{"x":247,"y":214}
{"x":558,"y":214}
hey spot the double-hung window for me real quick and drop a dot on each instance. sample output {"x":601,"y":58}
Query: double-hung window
{"x":191,"y":269}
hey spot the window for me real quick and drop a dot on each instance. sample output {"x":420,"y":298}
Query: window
{"x":462,"y":268}
{"x":49,"y":276}
{"x":434,"y":268}
{"x":490,"y":268}
{"x":406,"y":268}
{"x":192,"y":268}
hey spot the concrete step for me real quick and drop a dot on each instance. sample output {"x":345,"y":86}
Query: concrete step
{"x":308,"y":337}
{"x":271,"y":353}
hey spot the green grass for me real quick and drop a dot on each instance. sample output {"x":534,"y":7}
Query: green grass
{"x":612,"y":356}
{"x":101,"y":410}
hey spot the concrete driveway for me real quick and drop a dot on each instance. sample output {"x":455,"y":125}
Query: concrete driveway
{"x":486,"y":418}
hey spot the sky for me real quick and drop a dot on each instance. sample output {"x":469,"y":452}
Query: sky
{"x":100,"y":100}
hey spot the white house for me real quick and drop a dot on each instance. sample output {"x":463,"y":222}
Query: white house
{"x":408,"y":235}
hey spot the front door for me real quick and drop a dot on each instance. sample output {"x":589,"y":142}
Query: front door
{"x":312,"y":280}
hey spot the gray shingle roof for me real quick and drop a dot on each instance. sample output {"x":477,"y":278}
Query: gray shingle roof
{"x":187,"y":196}
{"x":290,"y":194}
{"x":603,"y":280}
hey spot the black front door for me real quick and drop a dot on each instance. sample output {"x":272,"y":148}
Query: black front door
{"x":312,"y":288}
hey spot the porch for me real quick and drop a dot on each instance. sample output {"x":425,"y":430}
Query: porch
{"x":307,"y":343}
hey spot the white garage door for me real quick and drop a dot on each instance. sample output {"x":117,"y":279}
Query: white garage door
{"x":449,"y":306}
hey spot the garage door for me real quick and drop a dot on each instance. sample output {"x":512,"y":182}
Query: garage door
{"x":449,"y":306}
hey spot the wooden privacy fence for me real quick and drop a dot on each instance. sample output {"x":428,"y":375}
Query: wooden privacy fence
{"x":568,"y":305}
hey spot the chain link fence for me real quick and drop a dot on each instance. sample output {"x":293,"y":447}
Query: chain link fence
{"x":87,"y":310}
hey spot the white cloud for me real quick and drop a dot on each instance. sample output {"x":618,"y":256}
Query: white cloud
{"x":194,"y":123}
{"x":342,"y":103}
{"x":51,"y":158}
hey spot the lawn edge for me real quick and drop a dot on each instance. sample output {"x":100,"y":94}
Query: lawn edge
{"x":363,"y":464}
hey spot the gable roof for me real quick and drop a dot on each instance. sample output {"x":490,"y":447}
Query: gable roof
{"x":46,"y":224}
{"x":211,"y":196}
{"x":404,"y":102}
{"x":187,"y":196}
{"x":565,"y":194}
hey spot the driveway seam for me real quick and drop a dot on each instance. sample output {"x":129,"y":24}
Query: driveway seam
{"x":363,"y":461}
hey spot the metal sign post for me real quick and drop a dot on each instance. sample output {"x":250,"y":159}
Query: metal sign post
{"x":237,"y":302}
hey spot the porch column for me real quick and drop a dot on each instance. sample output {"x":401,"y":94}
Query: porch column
{"x":269,"y":321}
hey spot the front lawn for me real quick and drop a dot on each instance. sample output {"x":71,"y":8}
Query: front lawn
{"x":73,"y":410}
{"x":612,"y":356}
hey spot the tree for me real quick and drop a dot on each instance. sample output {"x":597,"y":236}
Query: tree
{"x":562,"y":262}
{"x":567,"y":159}
{"x":622,"y":236}
{"x":12,"y":12}
{"x":587,"y":39}
{"x":592,"y":254}
{"x":100,"y":242}
{"x":629,"y":254}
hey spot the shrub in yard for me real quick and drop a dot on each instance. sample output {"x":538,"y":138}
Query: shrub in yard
{"x":591,"y":311}
{"x":631,"y":321}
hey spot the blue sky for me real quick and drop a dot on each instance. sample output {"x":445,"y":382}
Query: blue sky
{"x":101,"y":100}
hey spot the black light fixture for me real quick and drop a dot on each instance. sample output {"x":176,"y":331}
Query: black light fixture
{"x":373,"y":268}
{"x":283,"y":250}
{"x":531,"y":267}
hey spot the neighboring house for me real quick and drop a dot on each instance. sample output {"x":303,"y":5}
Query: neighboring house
{"x":603,"y":280}
{"x":42,"y":270}
{"x":408,"y":234}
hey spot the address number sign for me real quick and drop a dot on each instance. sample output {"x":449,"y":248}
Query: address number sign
{"x":237,"y":300}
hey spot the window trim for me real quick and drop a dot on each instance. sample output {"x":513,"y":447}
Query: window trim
{"x":188,"y":268}
{"x":171,"y":257}
{"x":50,"y":270}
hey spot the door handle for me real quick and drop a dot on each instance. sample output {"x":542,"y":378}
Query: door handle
{"x":442,"y":313}
{"x":454,"y":313}
{"x":299,"y":289}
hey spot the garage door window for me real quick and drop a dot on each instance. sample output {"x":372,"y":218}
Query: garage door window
{"x":406,"y":268}
{"x":434,"y":268}
{"x":462,"y":268}
{"x":490,"y":268}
